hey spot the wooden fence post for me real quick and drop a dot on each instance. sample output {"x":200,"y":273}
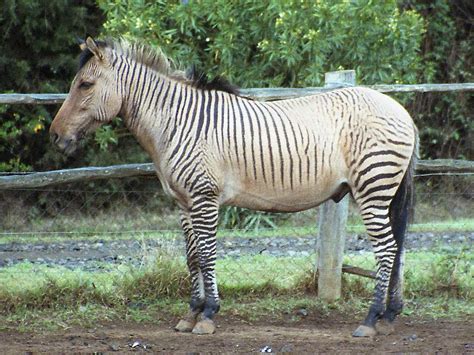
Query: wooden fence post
{"x":332,"y":222}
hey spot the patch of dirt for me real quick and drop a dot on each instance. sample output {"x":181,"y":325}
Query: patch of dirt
{"x":312,"y":335}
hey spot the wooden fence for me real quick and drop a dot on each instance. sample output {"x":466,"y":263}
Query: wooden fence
{"x":32,"y":180}
{"x":333,"y":216}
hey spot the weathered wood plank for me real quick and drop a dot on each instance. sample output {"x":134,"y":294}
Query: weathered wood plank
{"x":48,"y":178}
{"x":55,"y":177}
{"x":34,"y":99}
{"x":449,"y":166}
{"x":354,"y":270}
{"x":332,"y":221}
{"x":423,"y":87}
{"x":264,"y":94}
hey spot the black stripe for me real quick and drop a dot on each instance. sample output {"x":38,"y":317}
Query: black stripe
{"x":252,"y":137}
{"x":377,"y":188}
{"x":373,"y":166}
{"x":179,"y":106}
{"x":381,"y":152}
{"x":378,"y":198}
{"x":244,"y":143}
{"x":260,"y":144}
{"x":135,"y":92}
{"x":278,"y":139}
{"x":155,"y":93}
{"x":172,"y":98}
{"x":399,"y":143}
{"x":215,"y":115}
{"x":126,"y":77}
{"x":234,"y":120}
{"x":165,"y":95}
{"x":376,"y":178}
{"x":269,"y":140}
{"x":283,"y":118}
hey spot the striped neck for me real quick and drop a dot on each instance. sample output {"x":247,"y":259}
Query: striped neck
{"x":141,"y":92}
{"x":146,"y":98}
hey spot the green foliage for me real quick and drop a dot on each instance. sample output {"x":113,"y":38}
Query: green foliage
{"x":445,"y":119}
{"x":38,"y":55}
{"x":242,"y":218}
{"x":278,"y":43}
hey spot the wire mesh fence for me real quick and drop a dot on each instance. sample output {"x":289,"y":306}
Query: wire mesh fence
{"x":104,"y":225}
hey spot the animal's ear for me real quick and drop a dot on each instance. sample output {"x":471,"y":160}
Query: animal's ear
{"x":93,"y":46}
{"x":81,"y":43}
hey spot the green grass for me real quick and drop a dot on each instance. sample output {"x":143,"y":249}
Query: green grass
{"x":32,"y":296}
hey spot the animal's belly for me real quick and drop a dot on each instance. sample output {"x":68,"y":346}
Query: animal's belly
{"x":267,"y":199}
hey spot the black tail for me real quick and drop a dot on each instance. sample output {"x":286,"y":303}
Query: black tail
{"x":402,"y":206}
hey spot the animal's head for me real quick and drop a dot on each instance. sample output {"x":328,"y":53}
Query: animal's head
{"x":93,"y":98}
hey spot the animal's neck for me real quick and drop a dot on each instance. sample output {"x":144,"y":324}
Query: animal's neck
{"x":147,"y":105}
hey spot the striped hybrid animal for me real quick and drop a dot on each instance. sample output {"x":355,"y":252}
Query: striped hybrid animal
{"x":212,"y":147}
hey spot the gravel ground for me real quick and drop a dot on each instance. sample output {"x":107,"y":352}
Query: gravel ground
{"x":93,"y":255}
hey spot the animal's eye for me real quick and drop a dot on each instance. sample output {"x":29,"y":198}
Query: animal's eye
{"x":85,"y":85}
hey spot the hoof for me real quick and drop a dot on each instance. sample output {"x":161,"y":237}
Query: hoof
{"x":385,"y":327}
{"x":204,"y":326}
{"x":364,"y":331}
{"x":187,"y":323}
{"x":185,"y":326}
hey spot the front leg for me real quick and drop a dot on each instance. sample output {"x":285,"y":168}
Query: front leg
{"x":196,"y":306}
{"x":204,"y":216}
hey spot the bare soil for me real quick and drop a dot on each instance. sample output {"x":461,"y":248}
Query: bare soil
{"x":311,"y":334}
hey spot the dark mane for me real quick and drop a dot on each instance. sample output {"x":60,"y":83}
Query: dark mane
{"x":200,"y":80}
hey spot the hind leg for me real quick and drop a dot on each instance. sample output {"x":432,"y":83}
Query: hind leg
{"x":374,"y":185}
{"x":383,"y":243}
{"x":395,"y":287}
{"x":384,"y":247}
{"x":374,"y":200}
{"x":394,"y":296}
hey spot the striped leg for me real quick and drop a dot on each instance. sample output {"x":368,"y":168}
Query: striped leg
{"x":395,"y":289}
{"x":394,"y":295}
{"x":204,"y":215}
{"x":197,"y":285}
{"x":379,"y":229}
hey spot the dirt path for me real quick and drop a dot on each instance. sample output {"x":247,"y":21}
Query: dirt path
{"x":308,"y":335}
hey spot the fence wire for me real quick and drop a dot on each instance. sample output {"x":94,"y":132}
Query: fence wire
{"x":102,"y":225}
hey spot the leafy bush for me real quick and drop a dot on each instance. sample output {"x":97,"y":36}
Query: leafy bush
{"x":278,"y":43}
{"x":38,"y":54}
{"x":445,"y":119}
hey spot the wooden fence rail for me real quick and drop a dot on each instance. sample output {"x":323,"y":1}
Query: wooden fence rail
{"x":56,"y":177}
{"x":256,"y":93}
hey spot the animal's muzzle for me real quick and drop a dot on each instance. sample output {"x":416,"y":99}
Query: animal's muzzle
{"x":64,"y":144}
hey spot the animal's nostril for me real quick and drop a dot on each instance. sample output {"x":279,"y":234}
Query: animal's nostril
{"x":54,"y":138}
